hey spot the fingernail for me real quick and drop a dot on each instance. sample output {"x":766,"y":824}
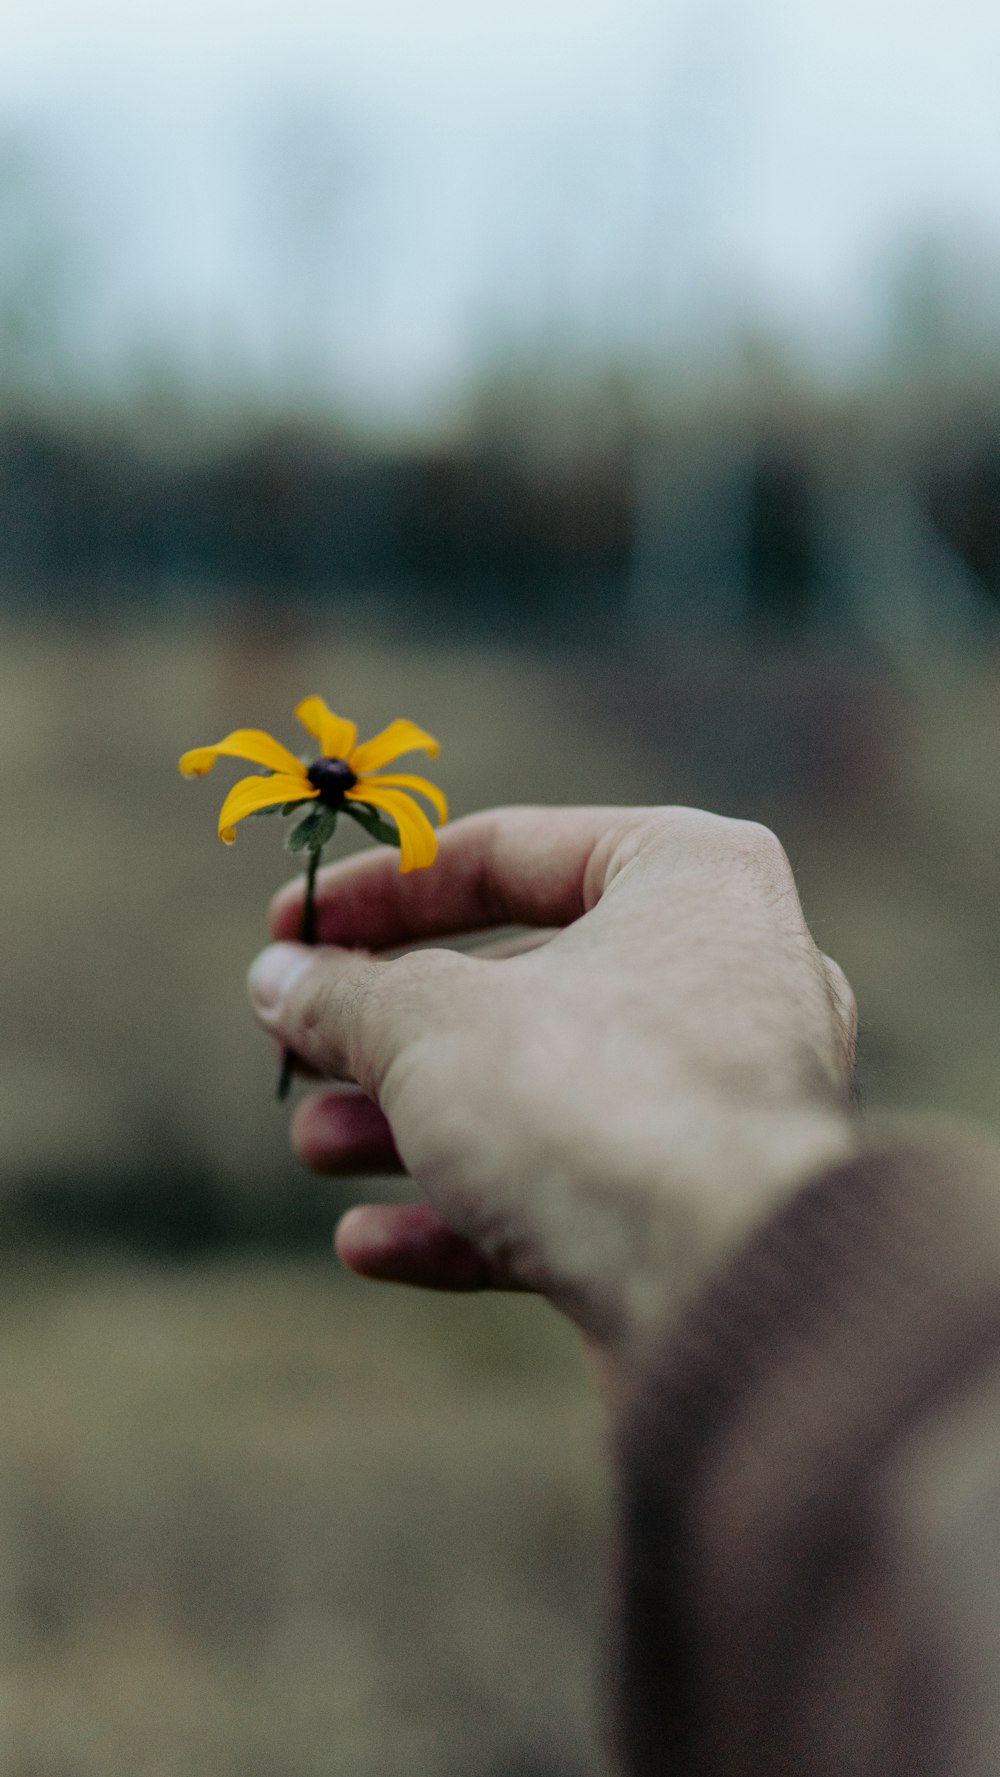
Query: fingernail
{"x":274,"y":973}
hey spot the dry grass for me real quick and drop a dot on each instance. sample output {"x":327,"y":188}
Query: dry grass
{"x":253,"y":1523}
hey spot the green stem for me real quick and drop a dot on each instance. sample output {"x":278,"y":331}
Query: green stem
{"x":309,"y":905}
{"x":287,"y":1073}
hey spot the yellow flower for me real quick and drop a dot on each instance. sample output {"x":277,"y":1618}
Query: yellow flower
{"x":344,"y":773}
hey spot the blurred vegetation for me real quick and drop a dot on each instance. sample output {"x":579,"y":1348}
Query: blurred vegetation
{"x":868,"y":518}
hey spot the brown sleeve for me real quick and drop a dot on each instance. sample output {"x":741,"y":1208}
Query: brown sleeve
{"x":808,"y":1568}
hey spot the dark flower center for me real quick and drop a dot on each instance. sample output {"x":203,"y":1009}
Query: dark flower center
{"x":332,"y":778}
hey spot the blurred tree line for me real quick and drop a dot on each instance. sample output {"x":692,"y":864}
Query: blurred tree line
{"x":616,"y":495}
{"x":298,"y":511}
{"x":782,"y":512}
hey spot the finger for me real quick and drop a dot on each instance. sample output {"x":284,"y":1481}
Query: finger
{"x":514,"y":866}
{"x":343,"y":1132}
{"x":348,"y":1015}
{"x":409,"y":1243}
{"x":300,"y":1071}
{"x":339,"y":1159}
{"x":513,"y":944}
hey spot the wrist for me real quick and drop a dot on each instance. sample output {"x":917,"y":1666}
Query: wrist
{"x":718,"y":1179}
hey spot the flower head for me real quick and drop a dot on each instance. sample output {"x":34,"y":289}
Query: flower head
{"x":345,"y":776}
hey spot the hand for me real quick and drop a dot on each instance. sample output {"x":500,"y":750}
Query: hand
{"x":598,"y":1114}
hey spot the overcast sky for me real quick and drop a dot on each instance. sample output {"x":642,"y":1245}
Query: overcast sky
{"x":370,"y":194}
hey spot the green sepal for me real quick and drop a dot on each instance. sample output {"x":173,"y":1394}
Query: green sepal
{"x":372,"y":822}
{"x":274,"y":808}
{"x":314,"y":831}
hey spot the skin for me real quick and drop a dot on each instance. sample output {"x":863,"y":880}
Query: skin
{"x":598,"y":1110}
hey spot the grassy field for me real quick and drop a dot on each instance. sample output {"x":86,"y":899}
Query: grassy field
{"x":257,"y":1518}
{"x":259,"y":1524}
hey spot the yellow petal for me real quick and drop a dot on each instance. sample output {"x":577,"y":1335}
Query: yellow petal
{"x":405,"y":781}
{"x":335,"y":734}
{"x":400,"y":737}
{"x":417,"y":844}
{"x":252,"y":793}
{"x":251,"y":744}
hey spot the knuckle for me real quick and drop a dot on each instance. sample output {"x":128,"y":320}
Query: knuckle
{"x":721,"y":840}
{"x":665,"y":824}
{"x":653,"y":833}
{"x":756,"y":855}
{"x":358,"y":999}
{"x":758,"y":847}
{"x":845,"y":1007}
{"x":420,"y":971}
{"x":410,"y":973}
{"x":841,"y":988}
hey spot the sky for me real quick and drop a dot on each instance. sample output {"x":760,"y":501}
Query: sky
{"x":370,"y":199}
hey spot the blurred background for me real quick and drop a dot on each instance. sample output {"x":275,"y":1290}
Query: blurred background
{"x":614,"y":388}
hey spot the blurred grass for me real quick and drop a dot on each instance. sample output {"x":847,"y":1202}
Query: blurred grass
{"x":255,"y":1517}
{"x":257,"y":1524}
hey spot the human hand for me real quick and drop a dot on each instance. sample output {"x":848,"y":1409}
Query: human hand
{"x":597,"y":1115}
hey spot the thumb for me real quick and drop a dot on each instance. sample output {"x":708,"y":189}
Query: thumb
{"x":347,"y":1015}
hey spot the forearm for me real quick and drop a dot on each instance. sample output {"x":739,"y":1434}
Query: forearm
{"x":780,"y":1601}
